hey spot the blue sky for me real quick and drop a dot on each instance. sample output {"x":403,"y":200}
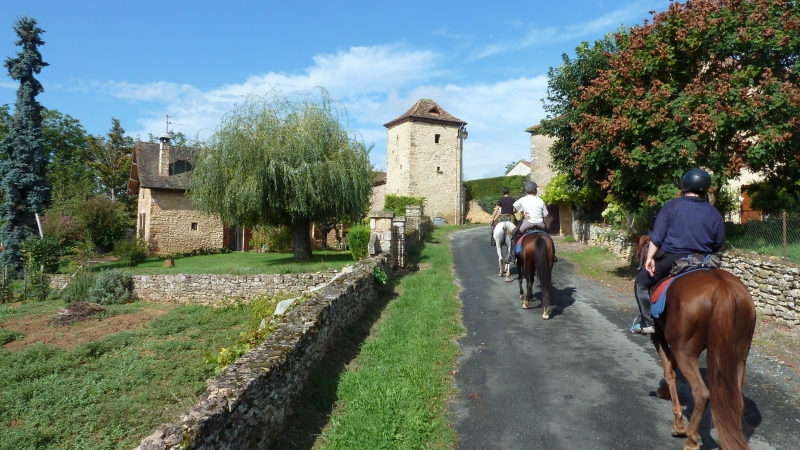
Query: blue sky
{"x":484,"y":62}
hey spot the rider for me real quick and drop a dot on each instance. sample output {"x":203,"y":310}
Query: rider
{"x":533,"y":210}
{"x":504,"y":211}
{"x":685,"y":225}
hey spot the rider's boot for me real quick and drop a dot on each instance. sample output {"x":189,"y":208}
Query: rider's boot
{"x":643,"y":299}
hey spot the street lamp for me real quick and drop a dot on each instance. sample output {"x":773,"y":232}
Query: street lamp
{"x":462,"y":132}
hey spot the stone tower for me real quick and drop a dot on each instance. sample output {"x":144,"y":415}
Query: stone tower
{"x":424,"y":159}
{"x":541,"y":172}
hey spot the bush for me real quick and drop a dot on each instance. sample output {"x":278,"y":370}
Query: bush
{"x":279,"y":239}
{"x":358,"y":241}
{"x":111,"y":287}
{"x":103,"y":221}
{"x":131,"y":253}
{"x":38,"y":284}
{"x":398,"y":203}
{"x":488,"y":203}
{"x":78,"y":288}
{"x":66,"y":229}
{"x":493,"y":186}
{"x":569,"y":238}
{"x":37,"y":252}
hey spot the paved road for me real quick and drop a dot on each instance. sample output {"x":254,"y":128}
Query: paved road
{"x":580,"y":380}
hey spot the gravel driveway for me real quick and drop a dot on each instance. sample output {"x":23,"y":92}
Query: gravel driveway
{"x":581,"y":379}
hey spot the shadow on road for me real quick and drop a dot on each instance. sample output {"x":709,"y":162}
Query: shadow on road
{"x":566,"y":298}
{"x":752,"y":415}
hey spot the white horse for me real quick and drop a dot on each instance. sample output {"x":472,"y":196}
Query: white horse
{"x":502,"y":236}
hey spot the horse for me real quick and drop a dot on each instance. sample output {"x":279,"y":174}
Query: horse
{"x":536,"y":258}
{"x":706,"y":309}
{"x":502,"y":236}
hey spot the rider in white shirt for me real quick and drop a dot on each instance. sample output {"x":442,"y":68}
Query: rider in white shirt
{"x":534,"y":211}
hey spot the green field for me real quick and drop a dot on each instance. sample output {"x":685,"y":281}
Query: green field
{"x":240,"y":263}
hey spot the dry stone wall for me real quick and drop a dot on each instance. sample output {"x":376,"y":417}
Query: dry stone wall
{"x":246,"y":406}
{"x":213,"y":289}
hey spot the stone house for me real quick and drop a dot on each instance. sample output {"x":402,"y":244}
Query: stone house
{"x":522,"y":168}
{"x":424,"y":159}
{"x":166,"y":219}
{"x":541,"y":174}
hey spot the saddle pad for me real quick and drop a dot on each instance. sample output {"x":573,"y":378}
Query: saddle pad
{"x":519,"y":242}
{"x":658,"y":298}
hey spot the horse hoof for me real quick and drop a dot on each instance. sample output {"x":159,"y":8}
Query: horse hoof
{"x":691,"y":446}
{"x":545,"y":316}
{"x":663,"y":392}
{"x":525,"y":304}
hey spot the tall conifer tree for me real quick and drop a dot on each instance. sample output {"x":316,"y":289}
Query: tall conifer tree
{"x":24,"y":162}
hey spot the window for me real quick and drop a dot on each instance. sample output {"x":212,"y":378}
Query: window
{"x":194,"y":226}
{"x":438,"y":169}
{"x":436,"y":138}
{"x":180,"y":166}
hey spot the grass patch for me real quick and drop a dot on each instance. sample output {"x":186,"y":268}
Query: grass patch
{"x":110,"y":393}
{"x":598,"y":263}
{"x":394,"y":394}
{"x":240,"y":263}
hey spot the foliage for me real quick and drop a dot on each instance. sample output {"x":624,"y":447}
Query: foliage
{"x":380,"y":275}
{"x":103,"y":220}
{"x":202,"y":251}
{"x":398,"y":203}
{"x":176,"y":138}
{"x":325,"y":226}
{"x":615,"y":214}
{"x":488,"y":203}
{"x":259,"y":237}
{"x":130,"y":253}
{"x":772,"y":197}
{"x":37,"y":283}
{"x":569,"y":238}
{"x":6,"y":291}
{"x":283,"y":161}
{"x":68,"y":172}
{"x":358,"y":241}
{"x":561,"y":189}
{"x":111,"y":287}
{"x":111,"y":159}
{"x":37,"y":252}
{"x":23,"y":160}
{"x":78,"y":288}
{"x":279,"y":239}
{"x":726,"y":200}
{"x":67,"y":230}
{"x":7,"y":336}
{"x":493,"y":186}
{"x":707,"y":84}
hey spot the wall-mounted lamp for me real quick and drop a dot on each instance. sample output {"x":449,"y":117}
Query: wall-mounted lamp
{"x":462,"y":132}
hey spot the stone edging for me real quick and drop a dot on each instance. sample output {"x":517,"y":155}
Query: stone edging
{"x":246,"y":405}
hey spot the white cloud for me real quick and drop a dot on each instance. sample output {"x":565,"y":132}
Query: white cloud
{"x":602,"y":24}
{"x":9,"y":85}
{"x":376,"y":84}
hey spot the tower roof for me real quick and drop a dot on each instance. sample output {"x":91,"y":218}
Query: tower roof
{"x":426,"y":110}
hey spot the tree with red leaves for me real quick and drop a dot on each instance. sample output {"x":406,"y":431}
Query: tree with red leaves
{"x":707,"y":83}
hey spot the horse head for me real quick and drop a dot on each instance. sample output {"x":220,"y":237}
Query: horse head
{"x":642,"y":242}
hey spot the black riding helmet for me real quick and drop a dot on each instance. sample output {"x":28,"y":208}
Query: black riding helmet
{"x":696,"y":180}
{"x":530,"y":187}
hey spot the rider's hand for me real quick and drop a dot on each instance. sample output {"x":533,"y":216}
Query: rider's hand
{"x":650,"y":266}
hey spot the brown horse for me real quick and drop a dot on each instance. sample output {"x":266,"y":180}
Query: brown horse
{"x":536,"y":258}
{"x":706,"y":309}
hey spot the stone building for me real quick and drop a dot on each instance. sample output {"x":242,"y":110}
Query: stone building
{"x":424,"y":159}
{"x":522,"y":168}
{"x":166,"y":219}
{"x":542,"y":173}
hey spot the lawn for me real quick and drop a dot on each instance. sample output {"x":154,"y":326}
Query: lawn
{"x":240,"y":263}
{"x":93,"y":387}
{"x":394,"y":394}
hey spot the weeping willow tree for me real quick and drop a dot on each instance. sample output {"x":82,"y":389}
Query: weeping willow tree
{"x":283,"y":161}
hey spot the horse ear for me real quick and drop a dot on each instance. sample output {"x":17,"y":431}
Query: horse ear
{"x":635,"y":237}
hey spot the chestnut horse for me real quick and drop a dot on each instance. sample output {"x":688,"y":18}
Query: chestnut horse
{"x":706,"y":309}
{"x":536,"y":258}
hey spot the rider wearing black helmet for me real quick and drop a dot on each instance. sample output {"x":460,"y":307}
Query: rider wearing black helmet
{"x":685,"y":225}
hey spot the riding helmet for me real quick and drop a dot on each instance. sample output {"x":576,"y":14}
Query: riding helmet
{"x":530,"y":187}
{"x":697,"y":180}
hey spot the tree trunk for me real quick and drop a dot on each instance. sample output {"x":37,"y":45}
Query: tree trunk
{"x":301,"y":240}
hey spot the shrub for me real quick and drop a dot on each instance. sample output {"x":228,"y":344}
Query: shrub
{"x":358,"y":241}
{"x":488,"y":203}
{"x":7,"y":336}
{"x":398,"y":203}
{"x":38,"y":284}
{"x":111,"y":287}
{"x":6,"y":291}
{"x":103,"y":221}
{"x":279,"y":239}
{"x":66,"y":229}
{"x":77,"y":289}
{"x":258,"y":238}
{"x":131,"y":253}
{"x":569,"y":238}
{"x":493,"y":186}
{"x":37,"y":252}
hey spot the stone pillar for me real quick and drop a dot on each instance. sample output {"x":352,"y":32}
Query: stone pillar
{"x":400,"y":250}
{"x":380,"y":225}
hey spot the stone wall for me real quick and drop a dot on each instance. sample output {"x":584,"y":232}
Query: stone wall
{"x":476,"y":214}
{"x":172,"y":225}
{"x":212,"y":289}
{"x":420,"y":167}
{"x":246,"y":405}
{"x":773,"y":282}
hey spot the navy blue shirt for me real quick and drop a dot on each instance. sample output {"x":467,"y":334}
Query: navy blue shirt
{"x":506,"y":205}
{"x":688,"y":225}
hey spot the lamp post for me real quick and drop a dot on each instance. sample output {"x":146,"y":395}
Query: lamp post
{"x":462,"y":134}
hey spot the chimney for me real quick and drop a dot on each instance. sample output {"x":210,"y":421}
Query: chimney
{"x":163,"y":155}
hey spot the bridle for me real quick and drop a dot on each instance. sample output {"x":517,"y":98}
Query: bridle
{"x":640,"y":255}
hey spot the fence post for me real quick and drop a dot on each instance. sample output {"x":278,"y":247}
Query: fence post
{"x":783,"y":217}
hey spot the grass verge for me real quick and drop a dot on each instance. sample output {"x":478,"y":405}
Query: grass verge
{"x":390,"y":390}
{"x":240,"y":263}
{"x":110,"y":393}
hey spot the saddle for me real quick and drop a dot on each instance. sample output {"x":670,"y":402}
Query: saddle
{"x":658,"y":293}
{"x":519,"y":242}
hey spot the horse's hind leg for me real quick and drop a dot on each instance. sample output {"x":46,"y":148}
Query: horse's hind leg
{"x":668,"y":363}
{"x":528,"y":288}
{"x":691,"y":370}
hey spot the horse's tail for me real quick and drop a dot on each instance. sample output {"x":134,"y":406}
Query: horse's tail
{"x":542,"y":262}
{"x":727,"y":404}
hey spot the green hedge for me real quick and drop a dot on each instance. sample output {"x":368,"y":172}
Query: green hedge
{"x":489,"y":187}
{"x":398,"y":203}
{"x":488,"y":203}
